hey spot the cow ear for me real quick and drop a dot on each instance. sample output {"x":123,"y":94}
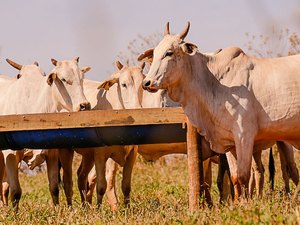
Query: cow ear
{"x":147,"y":56}
{"x":77,"y":59}
{"x":51,"y":78}
{"x":108,"y":83}
{"x":189,"y":48}
{"x":54,"y":62}
{"x":85,"y":69}
{"x":142,"y":65}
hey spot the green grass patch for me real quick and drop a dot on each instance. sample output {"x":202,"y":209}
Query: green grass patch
{"x":159,"y":196}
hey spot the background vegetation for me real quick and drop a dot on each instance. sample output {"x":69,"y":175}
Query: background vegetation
{"x":276,"y":42}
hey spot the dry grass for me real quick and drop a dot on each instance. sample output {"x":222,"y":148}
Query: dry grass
{"x":159,"y":196}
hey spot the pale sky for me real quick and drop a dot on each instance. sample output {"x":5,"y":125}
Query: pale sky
{"x":98,"y":30}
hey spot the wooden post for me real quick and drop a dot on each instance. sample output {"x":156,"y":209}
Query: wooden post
{"x":195,"y":167}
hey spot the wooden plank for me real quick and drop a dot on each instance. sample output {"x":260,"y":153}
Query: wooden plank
{"x":93,"y":118}
{"x":194,"y":168}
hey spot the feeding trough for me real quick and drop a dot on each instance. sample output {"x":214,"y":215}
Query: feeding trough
{"x":104,"y":128}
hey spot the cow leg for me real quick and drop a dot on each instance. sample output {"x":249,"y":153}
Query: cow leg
{"x":5,"y":189}
{"x":228,"y":191}
{"x":221,"y":172}
{"x":86,"y":165}
{"x":101,"y":156}
{"x":2,"y":171}
{"x":223,"y":168}
{"x":207,"y":181}
{"x":53,"y":174}
{"x":12,"y":172}
{"x":258,"y":173}
{"x":66,"y":159}
{"x":91,"y":185}
{"x":207,"y":172}
{"x":284,"y":171}
{"x":288,"y":165}
{"x":234,"y":175}
{"x":244,"y":152}
{"x":252,"y":180}
{"x":111,"y":172}
{"x":271,"y":169}
{"x":127,"y":172}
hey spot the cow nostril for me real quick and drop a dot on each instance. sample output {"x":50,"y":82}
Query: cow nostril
{"x":146,"y":83}
{"x":85,"y":106}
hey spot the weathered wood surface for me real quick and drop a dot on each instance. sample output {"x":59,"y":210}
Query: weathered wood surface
{"x":93,"y":118}
{"x":194,"y":168}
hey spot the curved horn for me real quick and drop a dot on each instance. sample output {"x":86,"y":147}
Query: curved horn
{"x":183,"y":34}
{"x":13,"y":64}
{"x":167,"y":31}
{"x":54,"y":62}
{"x":119,"y":65}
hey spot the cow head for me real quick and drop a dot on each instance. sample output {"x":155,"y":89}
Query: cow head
{"x":167,"y":59}
{"x":26,"y":70}
{"x":128,"y":82}
{"x":34,"y":158}
{"x":68,"y":80}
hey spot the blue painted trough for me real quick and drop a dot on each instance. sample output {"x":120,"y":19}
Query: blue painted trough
{"x":92,"y":128}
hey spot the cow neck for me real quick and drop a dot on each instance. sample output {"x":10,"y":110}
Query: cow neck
{"x":114,"y":97}
{"x":45,"y":102}
{"x":29,"y":94}
{"x":109,"y":99}
{"x":92,"y":93}
{"x":201,"y":96}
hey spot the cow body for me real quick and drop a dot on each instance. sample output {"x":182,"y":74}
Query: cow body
{"x":126,"y":94}
{"x":238,"y":103}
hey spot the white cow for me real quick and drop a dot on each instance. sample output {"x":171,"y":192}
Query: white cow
{"x":33,"y":92}
{"x":150,"y":152}
{"x":122,"y":90}
{"x":240,"y":104}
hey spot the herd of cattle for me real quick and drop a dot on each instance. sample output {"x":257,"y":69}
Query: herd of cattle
{"x":240,"y":104}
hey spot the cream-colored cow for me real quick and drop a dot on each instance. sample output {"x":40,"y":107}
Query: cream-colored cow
{"x":240,"y":104}
{"x":32,"y":92}
{"x":122,"y":90}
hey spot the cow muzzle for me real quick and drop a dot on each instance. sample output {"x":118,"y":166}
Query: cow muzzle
{"x":36,"y":160}
{"x":84,"y":106}
{"x":149,"y":86}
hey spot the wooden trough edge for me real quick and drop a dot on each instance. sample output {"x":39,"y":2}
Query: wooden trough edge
{"x":92,"y":118}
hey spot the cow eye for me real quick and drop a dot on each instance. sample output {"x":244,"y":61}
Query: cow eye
{"x":63,"y":80}
{"x":168,"y":53}
{"x":124,"y":85}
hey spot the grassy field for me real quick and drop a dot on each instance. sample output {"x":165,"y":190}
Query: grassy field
{"x":159,"y":196}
